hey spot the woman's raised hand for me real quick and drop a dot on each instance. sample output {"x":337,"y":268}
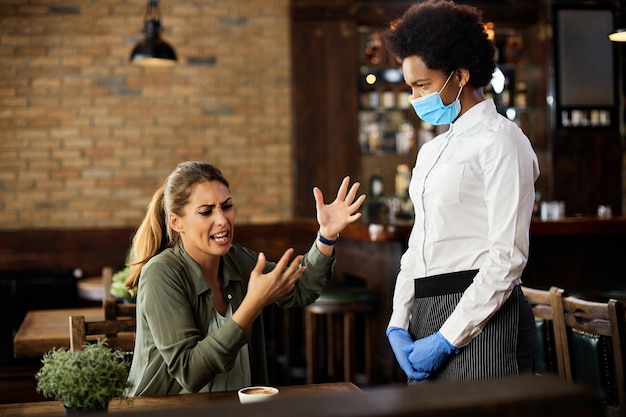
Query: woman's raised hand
{"x":334,"y":217}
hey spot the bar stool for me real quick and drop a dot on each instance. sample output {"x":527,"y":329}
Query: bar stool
{"x":336,"y":302}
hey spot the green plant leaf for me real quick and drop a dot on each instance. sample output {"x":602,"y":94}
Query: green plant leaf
{"x":118,"y":289}
{"x":84,"y":380}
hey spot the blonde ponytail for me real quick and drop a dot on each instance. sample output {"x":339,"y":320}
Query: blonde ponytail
{"x":150,"y":239}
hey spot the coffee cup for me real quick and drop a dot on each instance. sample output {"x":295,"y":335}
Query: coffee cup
{"x":256,"y":394}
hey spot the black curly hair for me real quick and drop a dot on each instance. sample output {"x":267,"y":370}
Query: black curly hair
{"x":446,"y":36}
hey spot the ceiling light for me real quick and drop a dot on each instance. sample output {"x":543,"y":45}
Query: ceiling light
{"x":153,"y":51}
{"x":618,"y":36}
{"x":498,"y":80}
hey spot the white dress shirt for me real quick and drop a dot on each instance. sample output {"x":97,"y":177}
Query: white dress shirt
{"x":473,"y":192}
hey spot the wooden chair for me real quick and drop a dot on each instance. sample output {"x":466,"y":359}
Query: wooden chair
{"x":120,"y":333}
{"x":112,"y":308}
{"x":549,"y":355}
{"x":593,"y":337}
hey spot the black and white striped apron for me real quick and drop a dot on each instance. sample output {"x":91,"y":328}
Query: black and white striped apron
{"x":505,"y":346}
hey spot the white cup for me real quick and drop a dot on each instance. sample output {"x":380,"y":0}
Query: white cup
{"x":256,"y":394}
{"x":605,"y":212}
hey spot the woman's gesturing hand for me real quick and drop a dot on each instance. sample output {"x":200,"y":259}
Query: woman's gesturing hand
{"x":265,"y":289}
{"x":334,"y":217}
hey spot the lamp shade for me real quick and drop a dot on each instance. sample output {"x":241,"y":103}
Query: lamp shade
{"x":618,"y":36}
{"x":153,"y":52}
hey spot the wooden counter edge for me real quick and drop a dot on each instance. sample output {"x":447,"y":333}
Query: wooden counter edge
{"x":362,"y":231}
{"x":400,"y":232}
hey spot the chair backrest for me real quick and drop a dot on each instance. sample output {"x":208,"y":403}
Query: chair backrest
{"x":548,"y":355}
{"x":594,"y":342}
{"x":120,"y":333}
{"x":115,"y":310}
{"x":112,"y":308}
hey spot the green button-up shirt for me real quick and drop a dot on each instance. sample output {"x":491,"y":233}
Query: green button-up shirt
{"x":173,"y":349}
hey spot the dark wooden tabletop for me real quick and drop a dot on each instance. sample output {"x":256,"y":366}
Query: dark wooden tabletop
{"x":42,"y":330}
{"x":55,"y":408}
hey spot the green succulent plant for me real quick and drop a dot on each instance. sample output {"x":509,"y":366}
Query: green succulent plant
{"x":118,"y":290}
{"x":84,"y":379}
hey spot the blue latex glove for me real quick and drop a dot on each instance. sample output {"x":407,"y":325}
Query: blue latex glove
{"x":429,"y":353}
{"x":402,"y":344}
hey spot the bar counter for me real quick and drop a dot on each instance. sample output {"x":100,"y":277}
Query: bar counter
{"x":583,"y":255}
{"x":579,"y":225}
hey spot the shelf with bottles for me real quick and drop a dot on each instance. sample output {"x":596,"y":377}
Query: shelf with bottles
{"x":518,"y":87}
{"x":381,"y":83}
{"x":384,"y":112}
{"x":509,"y":91}
{"x":382,"y":88}
{"x":385,"y":133}
{"x":386,"y":206}
{"x":586,"y":117}
{"x":387,"y":124}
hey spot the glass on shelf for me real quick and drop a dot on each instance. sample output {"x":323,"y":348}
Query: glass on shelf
{"x":385,"y":132}
{"x":405,"y":138}
{"x":382,"y":88}
{"x":403,"y":178}
{"x":399,"y":209}
{"x":375,"y":53}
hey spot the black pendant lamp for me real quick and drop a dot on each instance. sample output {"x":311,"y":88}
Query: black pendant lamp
{"x":153,"y":51}
{"x":619,"y":34}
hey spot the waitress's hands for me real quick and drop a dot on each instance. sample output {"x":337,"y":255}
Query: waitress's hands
{"x":430,"y":353}
{"x":402,"y":344}
{"x":334,"y":217}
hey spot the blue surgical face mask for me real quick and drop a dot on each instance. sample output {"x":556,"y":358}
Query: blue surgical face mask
{"x":430,"y":108}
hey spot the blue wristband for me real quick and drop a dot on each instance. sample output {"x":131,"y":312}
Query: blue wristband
{"x":326,"y":241}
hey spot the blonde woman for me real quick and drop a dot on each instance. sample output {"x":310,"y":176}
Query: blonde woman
{"x":200,"y":295}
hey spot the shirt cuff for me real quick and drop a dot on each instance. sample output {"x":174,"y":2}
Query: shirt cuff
{"x":316,"y":257}
{"x":400,"y":318}
{"x":458,"y":335}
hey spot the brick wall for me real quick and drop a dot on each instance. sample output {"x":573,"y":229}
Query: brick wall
{"x":85,"y":138}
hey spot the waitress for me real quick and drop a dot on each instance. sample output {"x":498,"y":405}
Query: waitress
{"x":458,"y":310}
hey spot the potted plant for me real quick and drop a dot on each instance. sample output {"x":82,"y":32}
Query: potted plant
{"x":84,"y":380}
{"x":118,"y":290}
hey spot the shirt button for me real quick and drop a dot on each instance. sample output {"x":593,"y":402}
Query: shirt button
{"x":230,"y":297}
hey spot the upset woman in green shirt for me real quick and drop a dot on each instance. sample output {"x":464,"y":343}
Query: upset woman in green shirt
{"x":200,"y":295}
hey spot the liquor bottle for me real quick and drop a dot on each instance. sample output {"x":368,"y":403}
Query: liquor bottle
{"x":403,"y":177}
{"x":376,"y":186}
{"x":376,"y":209}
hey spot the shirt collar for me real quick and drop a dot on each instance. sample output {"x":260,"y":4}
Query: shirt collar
{"x":475,"y":115}
{"x":193,"y":269}
{"x":195,"y":273}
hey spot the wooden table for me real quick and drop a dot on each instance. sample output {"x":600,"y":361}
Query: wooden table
{"x":545,"y":396}
{"x":43,"y":330}
{"x":55,"y":408}
{"x":90,"y":288}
